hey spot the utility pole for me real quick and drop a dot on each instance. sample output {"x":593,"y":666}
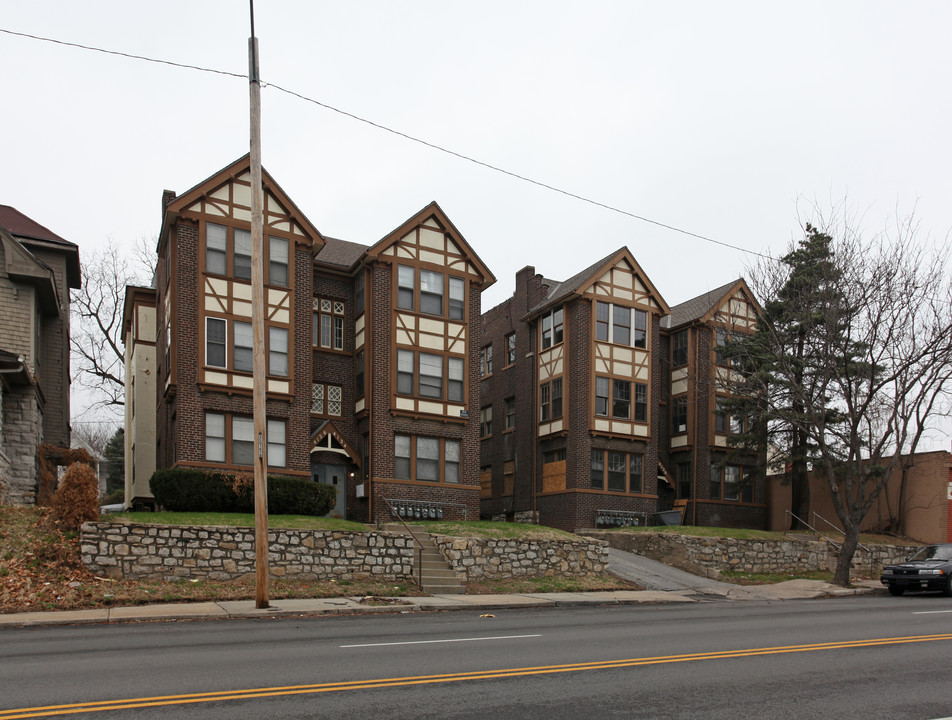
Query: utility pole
{"x":257,"y":329}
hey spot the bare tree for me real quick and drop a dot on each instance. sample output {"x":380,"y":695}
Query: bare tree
{"x":94,"y":435}
{"x":97,"y":306}
{"x":875,"y":370}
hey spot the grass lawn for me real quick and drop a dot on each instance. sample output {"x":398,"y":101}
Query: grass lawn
{"x":278,"y":522}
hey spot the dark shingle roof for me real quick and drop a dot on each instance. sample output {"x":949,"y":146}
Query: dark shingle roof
{"x":19,"y":225}
{"x":341,"y":253}
{"x":560,"y":290}
{"x":696,"y":307}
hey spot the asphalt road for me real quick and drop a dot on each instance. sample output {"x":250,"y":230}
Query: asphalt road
{"x":860,"y":657}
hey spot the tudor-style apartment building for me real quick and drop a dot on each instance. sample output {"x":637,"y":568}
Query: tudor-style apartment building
{"x":372,"y":353}
{"x":580,"y":381}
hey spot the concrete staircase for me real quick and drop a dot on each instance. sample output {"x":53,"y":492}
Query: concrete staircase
{"x":436,"y":577}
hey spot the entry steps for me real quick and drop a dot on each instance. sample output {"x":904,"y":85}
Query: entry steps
{"x":436,"y":577}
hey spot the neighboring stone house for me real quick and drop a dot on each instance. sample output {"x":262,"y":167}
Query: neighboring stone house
{"x":37,"y":270}
{"x":599,"y":403}
{"x":372,"y":353}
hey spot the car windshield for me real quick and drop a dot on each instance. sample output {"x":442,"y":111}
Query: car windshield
{"x":934,"y":552}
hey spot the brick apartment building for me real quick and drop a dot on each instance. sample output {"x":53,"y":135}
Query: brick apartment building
{"x":37,"y":270}
{"x":580,"y":381}
{"x":372,"y":352}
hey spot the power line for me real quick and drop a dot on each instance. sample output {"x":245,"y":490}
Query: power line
{"x":406,"y":136}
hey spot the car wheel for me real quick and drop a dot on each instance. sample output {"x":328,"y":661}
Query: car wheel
{"x":947,"y":590}
{"x":897,"y":590}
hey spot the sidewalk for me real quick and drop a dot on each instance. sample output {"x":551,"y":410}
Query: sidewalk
{"x":791,"y":590}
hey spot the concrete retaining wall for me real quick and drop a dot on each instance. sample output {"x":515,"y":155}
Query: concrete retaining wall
{"x":710,"y":556}
{"x":497,"y":559}
{"x":221,"y":553}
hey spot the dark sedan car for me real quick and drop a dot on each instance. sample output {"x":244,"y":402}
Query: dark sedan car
{"x":928,"y":569}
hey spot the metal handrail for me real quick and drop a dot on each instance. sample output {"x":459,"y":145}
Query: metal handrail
{"x":415,"y":539}
{"x":817,"y":515}
{"x":794,"y":515}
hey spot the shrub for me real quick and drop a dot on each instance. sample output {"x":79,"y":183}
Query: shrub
{"x":76,"y":500}
{"x":182,"y":490}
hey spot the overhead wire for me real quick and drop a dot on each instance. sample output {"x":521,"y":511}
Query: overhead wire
{"x":406,"y":136}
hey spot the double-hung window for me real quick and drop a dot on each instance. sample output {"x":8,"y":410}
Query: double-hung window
{"x":242,"y":259}
{"x":486,"y":421}
{"x":406,"y":284}
{"x":243,"y":352}
{"x":510,"y":349}
{"x":216,"y":249}
{"x":457,"y":306}
{"x":454,"y":377}
{"x":214,"y":437}
{"x":679,"y":349}
{"x":621,"y":399}
{"x":486,"y":361}
{"x":278,"y":351}
{"x":621,"y":325}
{"x":277,"y":443}
{"x":510,"y":413}
{"x":242,"y":441}
{"x":427,"y":459}
{"x":328,"y":325}
{"x":431,"y":292}
{"x":405,"y":372}
{"x":216,"y":331}
{"x":431,"y":376}
{"x":278,"y":261}
{"x":641,"y":402}
{"x":552,"y":327}
{"x":602,"y":385}
{"x":679,"y":422}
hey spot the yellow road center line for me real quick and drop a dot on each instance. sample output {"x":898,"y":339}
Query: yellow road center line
{"x":191,"y":698}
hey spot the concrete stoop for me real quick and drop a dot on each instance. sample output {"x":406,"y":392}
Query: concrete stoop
{"x":436,"y":576}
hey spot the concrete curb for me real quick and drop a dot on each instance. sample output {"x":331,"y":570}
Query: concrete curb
{"x":792,"y":590}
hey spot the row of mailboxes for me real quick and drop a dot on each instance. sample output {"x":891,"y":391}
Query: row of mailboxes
{"x":615,"y":519}
{"x":418,"y":511}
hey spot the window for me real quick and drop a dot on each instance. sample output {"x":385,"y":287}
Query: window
{"x":598,"y":469}
{"x":431,"y":376}
{"x":641,"y":402}
{"x":621,"y":399}
{"x":404,"y":372}
{"x":726,"y":484}
{"x":553,"y":456}
{"x":485,"y":482}
{"x":215,"y":333}
{"x":278,"y":261}
{"x":214,"y":437}
{"x":602,"y":311}
{"x":454,"y":375}
{"x":277,"y":442}
{"x":242,"y":269}
{"x":508,"y":477}
{"x":621,"y":325}
{"x":552,"y":328}
{"x":486,"y":421}
{"x":737,"y":424}
{"x":486,"y":361}
{"x":457,"y":298}
{"x":359,"y":293}
{"x":720,"y":417}
{"x":510,"y":349}
{"x":684,"y":480}
{"x":328,"y":324}
{"x":216,"y":249}
{"x":243,"y":349}
{"x":602,"y":385}
{"x":327,"y":399}
{"x":550,"y":395}
{"x":406,"y":282}
{"x":510,"y":413}
{"x":242,"y":441}
{"x":428,"y":459}
{"x":431,"y":292}
{"x":618,"y":471}
{"x":401,"y":463}
{"x":679,"y":415}
{"x":359,"y":373}
{"x":722,"y":339}
{"x":635,"y":473}
{"x":679,"y":349}
{"x":278,"y":351}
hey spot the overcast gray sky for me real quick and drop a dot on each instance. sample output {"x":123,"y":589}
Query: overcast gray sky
{"x":728,"y":120}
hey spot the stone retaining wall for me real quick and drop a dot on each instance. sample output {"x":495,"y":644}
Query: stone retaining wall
{"x":710,"y":556}
{"x":221,"y":553}
{"x":497,"y":559}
